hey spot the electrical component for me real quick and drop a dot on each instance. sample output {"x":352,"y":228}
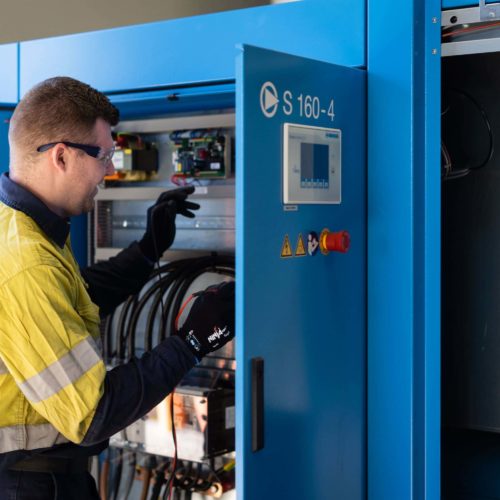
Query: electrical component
{"x":134,"y":158}
{"x":204,"y":403}
{"x":204,"y":423}
{"x":203,"y":153}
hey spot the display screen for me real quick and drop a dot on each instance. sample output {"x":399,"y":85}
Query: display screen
{"x":314,"y":165}
{"x":311,"y":164}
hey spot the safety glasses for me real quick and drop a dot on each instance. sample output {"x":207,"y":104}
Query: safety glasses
{"x":101,"y":154}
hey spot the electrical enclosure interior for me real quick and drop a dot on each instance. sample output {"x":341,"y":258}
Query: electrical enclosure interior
{"x":470,"y":266}
{"x":185,"y":152}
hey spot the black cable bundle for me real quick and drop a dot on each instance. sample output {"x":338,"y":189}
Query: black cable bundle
{"x":157,"y":306}
{"x":160,"y":301}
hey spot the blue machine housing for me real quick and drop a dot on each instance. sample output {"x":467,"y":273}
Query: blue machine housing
{"x":140,"y":66}
{"x":197,"y":49}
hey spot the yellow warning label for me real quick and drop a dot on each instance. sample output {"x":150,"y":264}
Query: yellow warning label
{"x":300,"y":250}
{"x":286,"y":248}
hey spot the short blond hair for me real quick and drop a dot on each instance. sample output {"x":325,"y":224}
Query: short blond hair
{"x":57,"y":109}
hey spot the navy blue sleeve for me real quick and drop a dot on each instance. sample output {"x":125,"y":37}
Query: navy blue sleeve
{"x":133,"y":389}
{"x":112,"y":281}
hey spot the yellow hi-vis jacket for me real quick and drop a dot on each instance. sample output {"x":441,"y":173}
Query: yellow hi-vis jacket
{"x":51,"y":369}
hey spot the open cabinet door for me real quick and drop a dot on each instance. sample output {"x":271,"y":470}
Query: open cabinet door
{"x":301,"y":318}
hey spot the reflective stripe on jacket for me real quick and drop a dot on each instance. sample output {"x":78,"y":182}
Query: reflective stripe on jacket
{"x":51,"y":369}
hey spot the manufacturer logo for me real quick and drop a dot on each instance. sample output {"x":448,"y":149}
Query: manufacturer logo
{"x":269,"y":99}
{"x":218,"y":333}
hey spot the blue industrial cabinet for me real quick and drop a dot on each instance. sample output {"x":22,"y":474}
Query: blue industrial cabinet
{"x":197,"y":49}
{"x":388,"y":284}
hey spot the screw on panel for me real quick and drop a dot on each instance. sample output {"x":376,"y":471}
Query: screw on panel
{"x":434,"y":52}
{"x":434,"y":20}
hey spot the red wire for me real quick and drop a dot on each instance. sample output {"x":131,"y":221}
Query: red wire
{"x":470,"y":29}
{"x":181,"y":310}
{"x":174,"y":433}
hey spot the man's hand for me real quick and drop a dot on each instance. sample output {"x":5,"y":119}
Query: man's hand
{"x":160,"y":229}
{"x":210,"y":323}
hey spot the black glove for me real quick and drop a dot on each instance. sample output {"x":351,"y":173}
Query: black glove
{"x":160,"y":229}
{"x":210,"y":323}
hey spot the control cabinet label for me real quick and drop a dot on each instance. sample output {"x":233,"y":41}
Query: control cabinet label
{"x":301,"y":104}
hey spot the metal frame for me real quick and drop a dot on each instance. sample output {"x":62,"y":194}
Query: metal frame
{"x":404,"y":250}
{"x":475,"y":44}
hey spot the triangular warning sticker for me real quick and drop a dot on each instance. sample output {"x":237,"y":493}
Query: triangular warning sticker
{"x":300,"y":250}
{"x":286,"y":248}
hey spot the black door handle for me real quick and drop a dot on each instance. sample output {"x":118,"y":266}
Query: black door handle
{"x":257,"y":404}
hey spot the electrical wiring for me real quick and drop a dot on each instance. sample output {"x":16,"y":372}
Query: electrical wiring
{"x":131,"y":476}
{"x":214,"y":264}
{"x":169,"y":290}
{"x":159,"y":285}
{"x":169,"y":284}
{"x":120,"y":329}
{"x":181,"y":310}
{"x":447,"y":164}
{"x":146,"y":479}
{"x":174,"y":435}
{"x":170,"y":483}
{"x":182,"y":180}
{"x":197,"y":268}
{"x":117,"y":474}
{"x":146,"y":470}
{"x":148,"y":293}
{"x":104,"y":476}
{"x":159,"y":481}
{"x":159,"y":305}
{"x":450,"y":32}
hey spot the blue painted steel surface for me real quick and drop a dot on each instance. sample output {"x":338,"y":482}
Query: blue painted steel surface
{"x":174,"y":100}
{"x":403,"y":250}
{"x":4,"y":143}
{"x":200,"y":48}
{"x":456,"y":4}
{"x":9,"y":74}
{"x":305,"y":316}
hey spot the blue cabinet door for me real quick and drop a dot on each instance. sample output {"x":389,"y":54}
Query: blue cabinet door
{"x":303,"y":316}
{"x":8,"y":73}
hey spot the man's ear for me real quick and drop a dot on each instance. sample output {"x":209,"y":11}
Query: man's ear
{"x":59,"y":155}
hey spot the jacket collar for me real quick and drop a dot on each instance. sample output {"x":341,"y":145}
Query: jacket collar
{"x":19,"y":198}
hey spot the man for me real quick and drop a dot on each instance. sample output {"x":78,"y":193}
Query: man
{"x":58,"y":404}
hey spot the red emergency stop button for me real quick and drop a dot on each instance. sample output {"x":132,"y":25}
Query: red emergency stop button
{"x":334,"y":242}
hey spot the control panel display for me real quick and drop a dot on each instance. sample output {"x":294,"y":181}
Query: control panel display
{"x":311,"y":165}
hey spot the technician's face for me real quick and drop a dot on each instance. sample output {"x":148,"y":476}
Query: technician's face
{"x":89,"y":171}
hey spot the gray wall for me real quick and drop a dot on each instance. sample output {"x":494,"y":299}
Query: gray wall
{"x":31,"y":19}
